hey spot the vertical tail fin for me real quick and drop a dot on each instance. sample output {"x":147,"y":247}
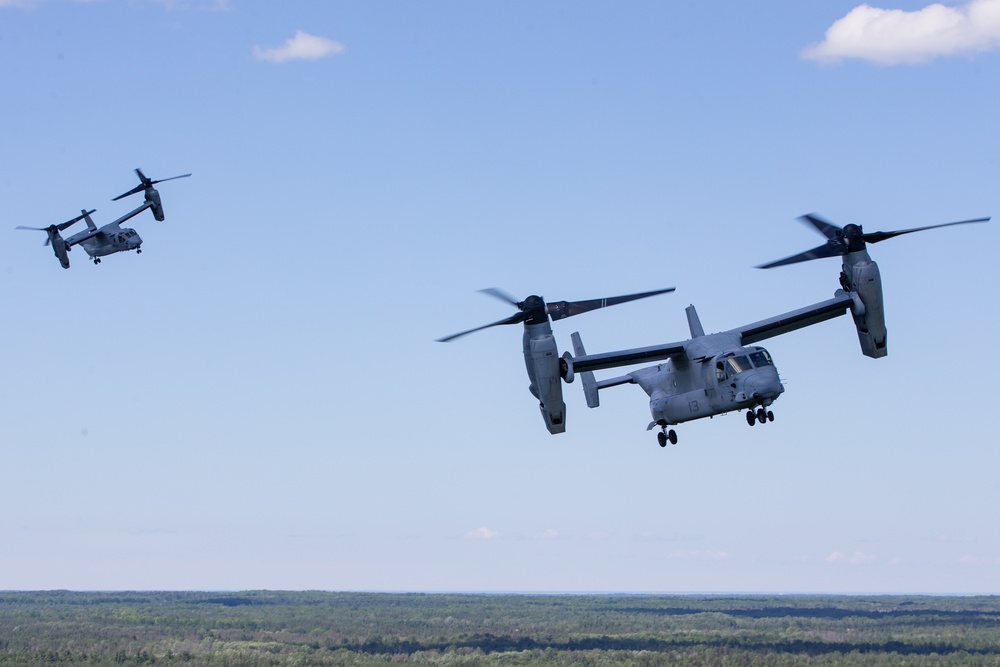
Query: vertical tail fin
{"x":694,"y":323}
{"x":90,"y":223}
{"x":590,"y":390}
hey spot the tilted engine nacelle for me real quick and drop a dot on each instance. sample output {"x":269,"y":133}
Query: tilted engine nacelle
{"x":60,"y":248}
{"x":541,"y":357}
{"x":153,"y":197}
{"x":864,"y":279}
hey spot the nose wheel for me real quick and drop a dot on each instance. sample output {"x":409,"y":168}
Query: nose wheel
{"x":761,"y":415}
{"x":663,"y":436}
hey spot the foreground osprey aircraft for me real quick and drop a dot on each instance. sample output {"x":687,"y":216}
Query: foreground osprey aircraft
{"x":112,"y":237}
{"x":707,"y":374}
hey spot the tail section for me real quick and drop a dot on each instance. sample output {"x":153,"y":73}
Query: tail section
{"x":590,"y":390}
{"x":90,"y":223}
{"x":694,"y":323}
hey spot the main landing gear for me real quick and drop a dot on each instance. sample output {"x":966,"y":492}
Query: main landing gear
{"x":664,"y":435}
{"x":97,"y":260}
{"x":761,"y":415}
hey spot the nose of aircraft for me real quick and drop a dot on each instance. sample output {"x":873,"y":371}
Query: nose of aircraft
{"x":765,"y":383}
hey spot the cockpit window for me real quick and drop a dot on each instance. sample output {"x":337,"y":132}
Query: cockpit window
{"x":761,"y":358}
{"x":736,"y":365}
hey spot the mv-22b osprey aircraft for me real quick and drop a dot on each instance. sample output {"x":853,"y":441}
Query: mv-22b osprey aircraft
{"x":707,"y":374}
{"x":112,"y":237}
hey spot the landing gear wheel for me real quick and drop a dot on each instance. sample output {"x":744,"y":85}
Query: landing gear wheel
{"x":761,"y":415}
{"x":661,"y":438}
{"x":770,"y":416}
{"x":138,"y":251}
{"x":672,"y":436}
{"x":97,"y":260}
{"x":751,"y":417}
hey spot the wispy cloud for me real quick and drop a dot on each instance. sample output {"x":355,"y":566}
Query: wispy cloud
{"x":302,"y":46}
{"x":654,"y":536}
{"x":895,"y":36}
{"x":856,"y":558}
{"x":969,"y":559}
{"x":483,"y":533}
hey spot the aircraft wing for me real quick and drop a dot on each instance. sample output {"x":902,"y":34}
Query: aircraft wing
{"x":750,"y":333}
{"x":639,"y":355}
{"x":83,"y":236}
{"x":130,"y":214}
{"x":796,"y":319}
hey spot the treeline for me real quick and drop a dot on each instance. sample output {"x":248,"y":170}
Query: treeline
{"x":319,"y":628}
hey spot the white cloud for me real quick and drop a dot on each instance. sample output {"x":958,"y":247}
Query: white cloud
{"x":895,"y":36}
{"x":548,"y":534}
{"x":969,"y":559}
{"x":301,"y":47}
{"x":856,"y":558}
{"x":483,"y":533}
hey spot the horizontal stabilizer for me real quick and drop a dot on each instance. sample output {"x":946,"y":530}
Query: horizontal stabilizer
{"x":639,"y":355}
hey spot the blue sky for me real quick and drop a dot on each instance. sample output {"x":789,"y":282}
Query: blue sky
{"x":257,"y":400}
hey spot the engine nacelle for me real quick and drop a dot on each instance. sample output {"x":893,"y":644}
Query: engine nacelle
{"x":153,"y":197}
{"x":541,"y":357}
{"x":61,"y":249}
{"x":866,"y":281}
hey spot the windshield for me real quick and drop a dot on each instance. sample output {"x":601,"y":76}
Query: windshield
{"x":736,"y":365}
{"x":761,"y":358}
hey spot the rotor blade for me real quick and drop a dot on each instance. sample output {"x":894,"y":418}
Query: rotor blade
{"x":500,"y":294}
{"x":875,"y":237}
{"x":146,"y":183}
{"x":513,"y":319}
{"x":561,"y":309}
{"x":825,"y":227}
{"x":58,"y":228}
{"x":69,"y":223}
{"x":172,"y":178}
{"x":138,"y":188}
{"x":828,"y":249}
